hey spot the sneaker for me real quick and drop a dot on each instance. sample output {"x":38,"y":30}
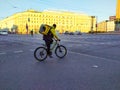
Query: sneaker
{"x":50,"y":54}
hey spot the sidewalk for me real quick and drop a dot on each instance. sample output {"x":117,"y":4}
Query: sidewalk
{"x":109,"y":33}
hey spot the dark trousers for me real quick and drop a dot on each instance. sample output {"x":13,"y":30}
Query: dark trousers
{"x":48,"y":44}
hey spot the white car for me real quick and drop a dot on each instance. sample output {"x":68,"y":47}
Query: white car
{"x":3,"y":32}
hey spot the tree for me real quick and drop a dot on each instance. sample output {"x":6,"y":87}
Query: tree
{"x":14,"y":29}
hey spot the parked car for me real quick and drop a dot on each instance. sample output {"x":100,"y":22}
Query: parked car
{"x":71,"y":33}
{"x":66,"y":32}
{"x":3,"y":32}
{"x":78,"y":33}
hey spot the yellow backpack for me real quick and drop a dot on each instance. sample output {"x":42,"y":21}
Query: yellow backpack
{"x":44,"y":29}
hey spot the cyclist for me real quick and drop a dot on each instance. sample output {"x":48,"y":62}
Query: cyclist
{"x":48,"y":38}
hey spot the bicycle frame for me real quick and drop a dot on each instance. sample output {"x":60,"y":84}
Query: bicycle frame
{"x":55,"y":43}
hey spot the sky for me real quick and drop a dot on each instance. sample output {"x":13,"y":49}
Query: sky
{"x":102,"y":9}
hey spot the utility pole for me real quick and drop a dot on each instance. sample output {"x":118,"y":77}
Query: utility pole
{"x":96,"y":24}
{"x":106,"y":24}
{"x":92,"y":23}
{"x":27,"y":27}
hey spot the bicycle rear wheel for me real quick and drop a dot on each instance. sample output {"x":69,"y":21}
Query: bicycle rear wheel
{"x":40,"y":53}
{"x":60,"y":51}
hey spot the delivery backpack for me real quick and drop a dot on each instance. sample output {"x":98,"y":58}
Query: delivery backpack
{"x":44,"y":28}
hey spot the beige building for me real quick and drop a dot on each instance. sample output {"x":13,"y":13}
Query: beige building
{"x":106,"y":26}
{"x":66,"y":21}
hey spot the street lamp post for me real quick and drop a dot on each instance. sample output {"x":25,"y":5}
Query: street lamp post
{"x":27,"y":27}
{"x":92,"y":22}
{"x":106,"y":25}
{"x":96,"y":25}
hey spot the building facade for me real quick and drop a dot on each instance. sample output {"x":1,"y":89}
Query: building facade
{"x":24,"y":22}
{"x":117,"y":21}
{"x":112,"y":18}
{"x":106,"y":26}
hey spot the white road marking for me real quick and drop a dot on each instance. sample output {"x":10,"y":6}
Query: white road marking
{"x":18,"y":51}
{"x":95,"y":66}
{"x":2,"y":53}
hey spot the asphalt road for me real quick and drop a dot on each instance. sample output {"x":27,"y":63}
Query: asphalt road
{"x":92,"y":63}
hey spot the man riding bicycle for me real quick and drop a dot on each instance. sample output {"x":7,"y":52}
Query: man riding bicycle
{"x":48,"y":37}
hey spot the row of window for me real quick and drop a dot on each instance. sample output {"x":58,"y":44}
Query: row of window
{"x":49,"y":16}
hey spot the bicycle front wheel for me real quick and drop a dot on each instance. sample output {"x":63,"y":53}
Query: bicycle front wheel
{"x":40,"y":53}
{"x":60,"y":51}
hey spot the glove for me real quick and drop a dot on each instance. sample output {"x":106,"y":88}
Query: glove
{"x":58,"y":39}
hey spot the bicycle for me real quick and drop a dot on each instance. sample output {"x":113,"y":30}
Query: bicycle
{"x":60,"y":51}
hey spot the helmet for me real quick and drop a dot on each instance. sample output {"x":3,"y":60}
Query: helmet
{"x":54,"y":25}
